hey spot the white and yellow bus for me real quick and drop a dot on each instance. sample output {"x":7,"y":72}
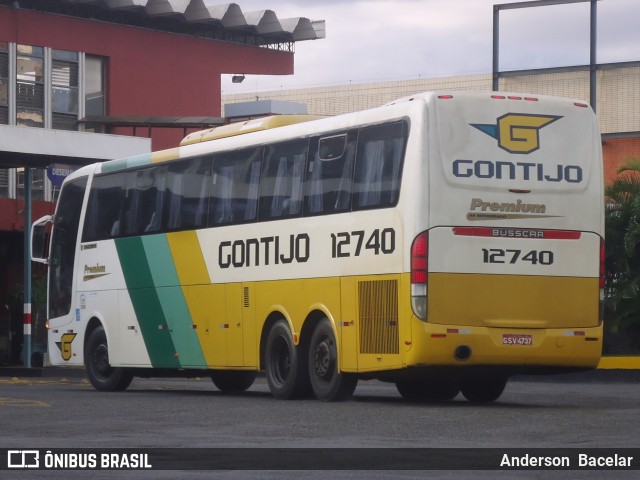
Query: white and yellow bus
{"x":441,"y":242}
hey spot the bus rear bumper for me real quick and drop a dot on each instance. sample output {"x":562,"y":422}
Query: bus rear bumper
{"x":449,"y":345}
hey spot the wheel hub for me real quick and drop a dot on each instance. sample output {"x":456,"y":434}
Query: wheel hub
{"x":323,"y":360}
{"x":101,"y":360}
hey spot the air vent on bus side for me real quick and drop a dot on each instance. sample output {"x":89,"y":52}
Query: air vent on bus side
{"x":378,"y":316}
{"x":245,"y":298}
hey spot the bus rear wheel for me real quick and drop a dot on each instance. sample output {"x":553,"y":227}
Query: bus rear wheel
{"x":285,"y":368}
{"x":230,"y":381}
{"x":428,"y":390}
{"x":101,"y":374}
{"x":328,"y":384}
{"x":483,"y":389}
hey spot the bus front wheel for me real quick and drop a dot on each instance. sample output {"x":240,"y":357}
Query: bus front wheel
{"x":483,"y":389}
{"x":285,"y":369}
{"x":101,"y":374}
{"x":328,"y":384}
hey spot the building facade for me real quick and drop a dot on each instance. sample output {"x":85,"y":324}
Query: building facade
{"x":89,"y":80}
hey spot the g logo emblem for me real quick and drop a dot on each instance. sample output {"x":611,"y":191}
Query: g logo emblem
{"x":517,"y":132}
{"x":65,"y":345}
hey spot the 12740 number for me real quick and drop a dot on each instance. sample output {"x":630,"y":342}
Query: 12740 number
{"x":353,"y":244}
{"x":499,"y":255}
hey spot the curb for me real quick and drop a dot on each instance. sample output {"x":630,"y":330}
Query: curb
{"x":46,"y":372}
{"x":593,"y":376}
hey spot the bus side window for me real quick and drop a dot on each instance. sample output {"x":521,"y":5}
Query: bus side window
{"x":187,"y":191}
{"x":378,"y":165}
{"x":282,"y":180}
{"x":102,"y":220}
{"x":234,"y":190}
{"x":328,"y":186}
{"x":143,"y":202}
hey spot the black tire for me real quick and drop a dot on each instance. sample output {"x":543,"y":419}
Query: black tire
{"x":327,"y":383}
{"x":428,"y":390}
{"x":285,"y":368}
{"x":230,"y":381}
{"x":483,"y":389}
{"x":101,"y":374}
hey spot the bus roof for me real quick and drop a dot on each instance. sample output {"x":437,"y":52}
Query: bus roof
{"x":248,"y":126}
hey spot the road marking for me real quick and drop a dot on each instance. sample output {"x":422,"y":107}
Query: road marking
{"x":21,"y":402}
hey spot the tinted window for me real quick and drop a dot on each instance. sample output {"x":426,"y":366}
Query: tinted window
{"x":143,"y":202}
{"x":378,"y":165}
{"x":282,"y":180}
{"x":63,"y":247}
{"x":187,"y":191}
{"x":328,"y":186}
{"x":234,"y":187}
{"x":102,"y":219}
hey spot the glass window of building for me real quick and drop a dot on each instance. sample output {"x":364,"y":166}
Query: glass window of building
{"x":64,"y":90}
{"x":38,"y":177}
{"x":94,"y":87}
{"x":30,"y":86}
{"x":4,"y":83}
{"x":4,"y":182}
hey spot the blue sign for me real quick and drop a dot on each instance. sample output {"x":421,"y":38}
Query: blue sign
{"x":57,"y":172}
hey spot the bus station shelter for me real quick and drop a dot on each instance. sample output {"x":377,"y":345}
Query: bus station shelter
{"x":59,"y":152}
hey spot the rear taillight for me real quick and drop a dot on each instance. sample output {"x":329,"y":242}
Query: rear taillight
{"x":419,"y":275}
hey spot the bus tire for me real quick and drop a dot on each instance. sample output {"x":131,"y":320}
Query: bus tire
{"x":428,"y":390}
{"x":285,"y":369}
{"x":483,"y":389}
{"x":327,"y":383}
{"x":101,"y":374}
{"x":233,"y":380}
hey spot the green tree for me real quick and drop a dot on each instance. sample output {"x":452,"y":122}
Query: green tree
{"x":622,"y":261}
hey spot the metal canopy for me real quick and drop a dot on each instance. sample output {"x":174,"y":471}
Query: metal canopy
{"x":153,"y":122}
{"x":203,"y":18}
{"x":39,"y":147}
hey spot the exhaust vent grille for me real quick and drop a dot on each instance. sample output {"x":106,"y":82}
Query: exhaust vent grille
{"x":378,"y":316}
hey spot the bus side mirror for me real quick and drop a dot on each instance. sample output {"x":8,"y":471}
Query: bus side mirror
{"x":40,"y":235}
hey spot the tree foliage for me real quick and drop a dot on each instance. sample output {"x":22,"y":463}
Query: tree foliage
{"x":622,"y":258}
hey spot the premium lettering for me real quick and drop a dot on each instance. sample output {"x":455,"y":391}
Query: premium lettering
{"x":93,"y":269}
{"x":518,"y":206}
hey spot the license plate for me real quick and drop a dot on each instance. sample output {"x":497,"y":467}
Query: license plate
{"x":517,"y":339}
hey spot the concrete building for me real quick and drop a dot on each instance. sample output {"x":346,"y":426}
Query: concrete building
{"x":89,"y":80}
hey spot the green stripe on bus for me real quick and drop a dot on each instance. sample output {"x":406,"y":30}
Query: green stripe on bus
{"x":146,"y":303}
{"x":174,"y":305}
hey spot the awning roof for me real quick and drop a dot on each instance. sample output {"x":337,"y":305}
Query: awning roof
{"x":200,"y":17}
{"x":39,"y":147}
{"x":154,"y":122}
